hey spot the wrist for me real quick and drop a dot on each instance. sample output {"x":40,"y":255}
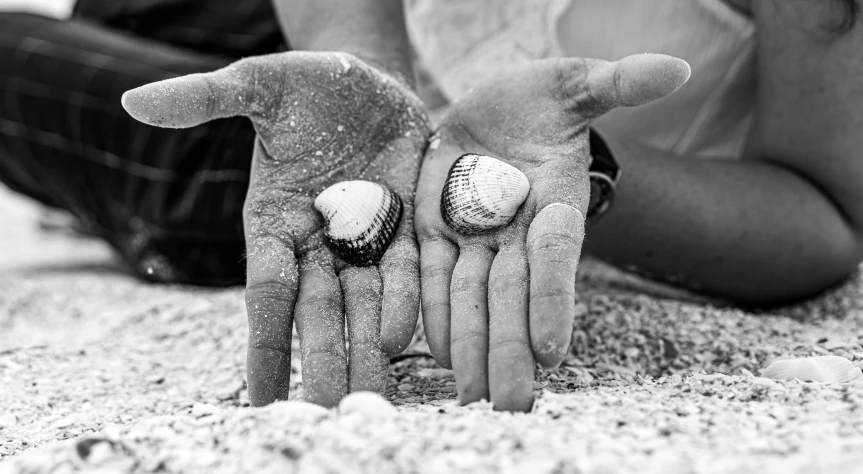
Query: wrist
{"x":604,"y":174}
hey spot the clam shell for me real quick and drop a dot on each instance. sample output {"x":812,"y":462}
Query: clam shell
{"x":482,"y":193}
{"x":832,"y":369}
{"x":361,"y":219}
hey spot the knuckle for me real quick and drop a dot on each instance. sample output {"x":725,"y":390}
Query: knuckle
{"x":466,"y":286}
{"x":509,"y":346}
{"x":433,"y":309}
{"x":435,"y":270}
{"x":212,"y":96}
{"x":552,"y":293}
{"x":562,"y":241}
{"x":401,"y":256}
{"x":263,"y":345}
{"x":319,"y":351}
{"x":319,"y":303}
{"x":270,"y":290}
{"x":466,"y":281}
{"x":428,"y":223}
{"x":467,"y":337}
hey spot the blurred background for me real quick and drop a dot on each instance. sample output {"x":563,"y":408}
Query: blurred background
{"x":53,"y":8}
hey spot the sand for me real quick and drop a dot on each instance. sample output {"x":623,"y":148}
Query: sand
{"x":100,"y":372}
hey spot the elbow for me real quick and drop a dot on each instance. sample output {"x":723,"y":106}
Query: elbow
{"x":809,"y":278}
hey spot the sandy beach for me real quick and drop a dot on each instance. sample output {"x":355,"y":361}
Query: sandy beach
{"x":100,"y":372}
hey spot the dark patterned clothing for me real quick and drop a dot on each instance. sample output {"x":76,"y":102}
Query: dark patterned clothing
{"x":170,"y":201}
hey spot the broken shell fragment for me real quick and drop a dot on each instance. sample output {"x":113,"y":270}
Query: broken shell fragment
{"x":826,"y":369}
{"x":482,"y":193}
{"x":361,"y":219}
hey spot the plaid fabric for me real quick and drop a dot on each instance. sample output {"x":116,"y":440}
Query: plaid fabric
{"x":170,"y":201}
{"x":224,"y":27}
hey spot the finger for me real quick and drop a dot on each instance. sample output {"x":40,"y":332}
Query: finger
{"x":399,"y":270}
{"x":320,"y":323}
{"x":510,"y":359}
{"x":271,"y":291}
{"x":554,"y":242}
{"x":191,"y":100}
{"x":598,"y":86}
{"x":367,"y":365}
{"x":469,"y":325}
{"x":438,"y":257}
{"x":399,"y":162}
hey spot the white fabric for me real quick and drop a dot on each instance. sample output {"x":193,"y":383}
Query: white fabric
{"x":461,"y":42}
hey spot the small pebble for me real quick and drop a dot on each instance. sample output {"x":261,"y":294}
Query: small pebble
{"x":292,"y":409}
{"x":203,"y":409}
{"x":8,"y":420}
{"x":65,"y":421}
{"x":406,"y":387}
{"x":765,"y":382}
{"x":100,"y":452}
{"x":368,"y":404}
{"x":436,"y":373}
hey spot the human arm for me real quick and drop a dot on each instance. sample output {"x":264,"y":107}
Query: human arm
{"x":785,"y":222}
{"x":373,"y":30}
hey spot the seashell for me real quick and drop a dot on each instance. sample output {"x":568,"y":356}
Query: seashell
{"x":368,"y":405}
{"x":831,"y":369}
{"x":482,"y":193}
{"x":361,"y":219}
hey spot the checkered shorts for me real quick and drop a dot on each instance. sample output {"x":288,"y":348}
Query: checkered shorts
{"x":170,"y":201}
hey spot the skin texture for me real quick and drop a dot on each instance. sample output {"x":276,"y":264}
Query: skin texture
{"x":786,"y":221}
{"x":371,"y":29}
{"x":495,"y":302}
{"x":321,"y":118}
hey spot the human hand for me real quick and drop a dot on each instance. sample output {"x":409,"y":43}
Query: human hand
{"x":320,"y":118}
{"x":496,"y":302}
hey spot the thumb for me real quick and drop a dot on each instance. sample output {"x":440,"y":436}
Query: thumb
{"x":190,"y":100}
{"x":633,"y":80}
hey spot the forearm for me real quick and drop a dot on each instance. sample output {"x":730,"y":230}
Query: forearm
{"x":749,"y":231}
{"x":371,"y":29}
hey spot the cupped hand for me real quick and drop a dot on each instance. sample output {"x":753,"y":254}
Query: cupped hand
{"x":320,"y":118}
{"x":494,"y":303}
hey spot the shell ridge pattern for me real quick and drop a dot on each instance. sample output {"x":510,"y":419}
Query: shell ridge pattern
{"x":361,"y":220}
{"x":482,"y":193}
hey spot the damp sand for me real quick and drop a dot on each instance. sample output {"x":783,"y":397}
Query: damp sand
{"x":100,"y":372}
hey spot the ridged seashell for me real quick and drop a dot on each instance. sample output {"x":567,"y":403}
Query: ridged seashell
{"x":833,"y":369}
{"x":361,"y":220}
{"x":482,"y":193}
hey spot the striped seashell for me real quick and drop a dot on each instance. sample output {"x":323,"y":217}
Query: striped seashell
{"x":832,"y":369}
{"x":482,"y":193}
{"x":361,"y":219}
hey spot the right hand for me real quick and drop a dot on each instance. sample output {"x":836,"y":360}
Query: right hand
{"x":321,"y":118}
{"x":495,"y":302}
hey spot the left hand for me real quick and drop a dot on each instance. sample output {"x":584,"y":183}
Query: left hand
{"x":321,"y":118}
{"x":495,"y":302}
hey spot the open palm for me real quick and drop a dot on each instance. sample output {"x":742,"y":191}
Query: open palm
{"x":320,"y":118}
{"x":496,"y":302}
